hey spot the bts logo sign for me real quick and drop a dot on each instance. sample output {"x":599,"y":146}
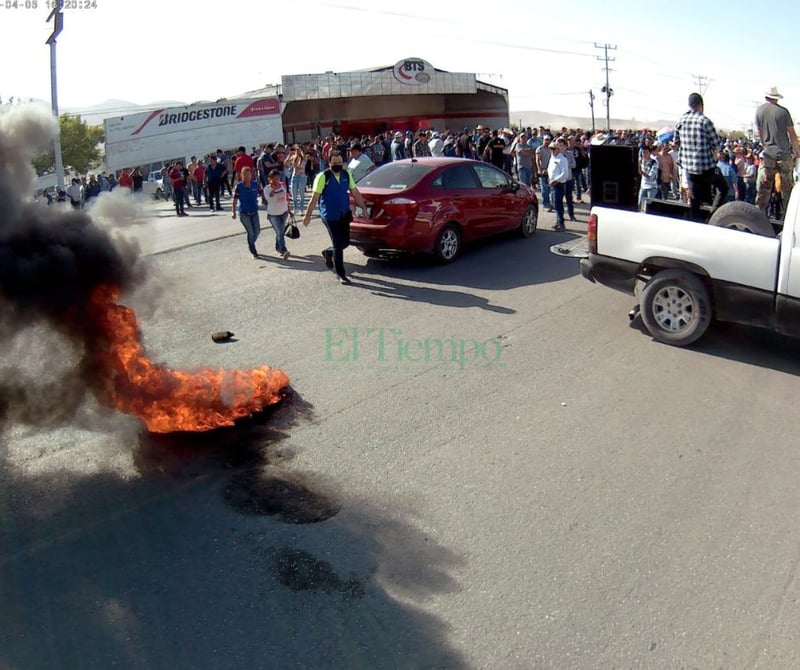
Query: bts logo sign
{"x":413,"y":71}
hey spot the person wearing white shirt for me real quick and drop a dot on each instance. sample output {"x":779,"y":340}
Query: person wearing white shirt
{"x":436,"y":145}
{"x":557,"y":176}
{"x":277,"y":210}
{"x":75,"y":193}
{"x":360,"y":164}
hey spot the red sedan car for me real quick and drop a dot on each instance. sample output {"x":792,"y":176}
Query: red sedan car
{"x":438,"y":204}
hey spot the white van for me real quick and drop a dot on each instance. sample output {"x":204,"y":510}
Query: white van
{"x":154,"y":185}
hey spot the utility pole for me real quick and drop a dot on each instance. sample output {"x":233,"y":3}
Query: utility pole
{"x":606,"y":89}
{"x":591,"y":105}
{"x":58,"y":25}
{"x":700,"y":83}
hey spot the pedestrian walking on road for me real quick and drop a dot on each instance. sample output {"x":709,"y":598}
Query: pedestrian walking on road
{"x":277,"y":210}
{"x":178,"y":183}
{"x":216,"y":174}
{"x":246,"y":195}
{"x":332,"y":189}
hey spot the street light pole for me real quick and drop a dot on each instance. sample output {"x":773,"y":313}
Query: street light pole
{"x":58,"y":24}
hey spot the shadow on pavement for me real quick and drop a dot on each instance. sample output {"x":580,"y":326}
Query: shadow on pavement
{"x":415,"y":293}
{"x":501,"y":263}
{"x":745,"y":344}
{"x":216,"y":556}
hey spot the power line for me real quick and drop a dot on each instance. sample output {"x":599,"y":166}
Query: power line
{"x":450,"y":21}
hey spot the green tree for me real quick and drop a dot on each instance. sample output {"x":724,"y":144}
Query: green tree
{"x":78,"y":146}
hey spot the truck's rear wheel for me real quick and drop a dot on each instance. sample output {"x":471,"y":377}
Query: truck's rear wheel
{"x":675,"y":307}
{"x":742,"y":216}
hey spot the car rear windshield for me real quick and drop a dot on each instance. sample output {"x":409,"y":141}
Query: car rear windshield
{"x":395,"y":176}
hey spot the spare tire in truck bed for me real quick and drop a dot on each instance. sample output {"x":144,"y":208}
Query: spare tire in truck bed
{"x":742,"y":216}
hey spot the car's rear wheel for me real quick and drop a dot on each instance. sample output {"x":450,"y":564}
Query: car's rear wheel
{"x":675,"y":307}
{"x":448,"y":244}
{"x":530,"y":221}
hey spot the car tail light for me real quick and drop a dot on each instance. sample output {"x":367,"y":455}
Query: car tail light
{"x":401,"y":206}
{"x":591,"y":233}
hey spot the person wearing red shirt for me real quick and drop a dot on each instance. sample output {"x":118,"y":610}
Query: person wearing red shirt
{"x":242,"y":161}
{"x":198,"y":182}
{"x":125,"y":180}
{"x":178,"y":187}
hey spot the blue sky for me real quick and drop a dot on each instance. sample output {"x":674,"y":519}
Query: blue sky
{"x":156,"y":50}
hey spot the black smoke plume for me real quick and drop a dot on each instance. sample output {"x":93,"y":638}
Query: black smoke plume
{"x":51,"y":260}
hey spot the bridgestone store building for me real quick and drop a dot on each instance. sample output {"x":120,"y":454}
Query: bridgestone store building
{"x":409,"y":96}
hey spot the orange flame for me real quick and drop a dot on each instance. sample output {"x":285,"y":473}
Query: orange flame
{"x":169,"y":400}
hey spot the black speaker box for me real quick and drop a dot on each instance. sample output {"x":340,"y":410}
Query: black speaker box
{"x":614,"y":176}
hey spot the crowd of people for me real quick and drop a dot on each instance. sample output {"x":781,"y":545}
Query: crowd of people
{"x":692,"y":164}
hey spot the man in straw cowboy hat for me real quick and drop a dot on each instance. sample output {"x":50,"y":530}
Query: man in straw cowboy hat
{"x":779,"y":140}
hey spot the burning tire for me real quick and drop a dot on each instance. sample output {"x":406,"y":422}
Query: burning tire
{"x":448,"y":244}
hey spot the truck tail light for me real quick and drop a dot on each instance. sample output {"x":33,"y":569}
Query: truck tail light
{"x":591,"y":233}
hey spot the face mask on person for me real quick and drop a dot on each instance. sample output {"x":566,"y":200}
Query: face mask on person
{"x":336,"y":168}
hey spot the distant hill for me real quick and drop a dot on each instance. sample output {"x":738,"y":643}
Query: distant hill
{"x":557,"y":121}
{"x":95,"y":114}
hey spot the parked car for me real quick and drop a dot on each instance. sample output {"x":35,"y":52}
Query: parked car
{"x":437,"y":205}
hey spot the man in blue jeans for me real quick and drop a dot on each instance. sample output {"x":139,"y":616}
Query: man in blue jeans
{"x":177,"y":180}
{"x":246,"y":196}
{"x":332,"y":189}
{"x":557,"y":177}
{"x":542,"y":158}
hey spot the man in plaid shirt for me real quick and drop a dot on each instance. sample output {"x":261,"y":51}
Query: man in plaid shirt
{"x":698,"y":147}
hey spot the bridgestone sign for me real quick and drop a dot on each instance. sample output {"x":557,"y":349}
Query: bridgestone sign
{"x":194,"y":130}
{"x":196,"y":115}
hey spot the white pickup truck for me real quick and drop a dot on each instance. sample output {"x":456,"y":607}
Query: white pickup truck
{"x":738,"y":267}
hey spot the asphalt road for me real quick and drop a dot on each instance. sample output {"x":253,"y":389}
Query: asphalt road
{"x":567,"y":493}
